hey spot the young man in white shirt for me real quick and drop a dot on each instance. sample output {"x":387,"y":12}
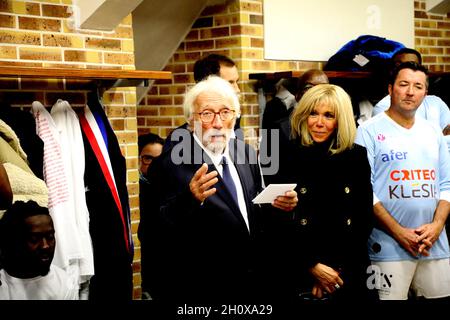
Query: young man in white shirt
{"x":27,"y":245}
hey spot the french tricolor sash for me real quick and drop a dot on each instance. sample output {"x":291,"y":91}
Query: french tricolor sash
{"x":92,"y":131}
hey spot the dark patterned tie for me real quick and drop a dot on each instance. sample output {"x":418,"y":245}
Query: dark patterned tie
{"x":228,"y":180}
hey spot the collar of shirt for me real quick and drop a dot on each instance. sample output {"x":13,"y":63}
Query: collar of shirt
{"x":286,"y":97}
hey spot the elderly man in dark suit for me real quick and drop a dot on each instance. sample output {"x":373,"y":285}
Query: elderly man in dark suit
{"x":207,"y":223}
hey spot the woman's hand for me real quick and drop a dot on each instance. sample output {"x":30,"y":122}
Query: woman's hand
{"x":326,"y":279}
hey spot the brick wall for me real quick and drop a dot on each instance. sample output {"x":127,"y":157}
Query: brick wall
{"x":236,"y":29}
{"x":432,"y":37}
{"x":43,"y":34}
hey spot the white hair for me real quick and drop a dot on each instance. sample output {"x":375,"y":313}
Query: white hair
{"x":211,"y":84}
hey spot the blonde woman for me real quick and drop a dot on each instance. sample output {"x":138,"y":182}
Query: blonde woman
{"x":323,"y":243}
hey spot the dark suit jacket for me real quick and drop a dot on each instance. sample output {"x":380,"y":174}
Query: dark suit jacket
{"x":274,"y":111}
{"x":201,"y":251}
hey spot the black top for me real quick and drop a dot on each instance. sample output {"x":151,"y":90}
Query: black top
{"x":334,"y":216}
{"x":274,"y":111}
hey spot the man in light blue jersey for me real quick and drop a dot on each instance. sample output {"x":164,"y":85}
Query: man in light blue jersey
{"x":432,"y":108}
{"x":410,"y":166}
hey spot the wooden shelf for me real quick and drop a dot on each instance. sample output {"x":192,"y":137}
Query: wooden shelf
{"x":330,"y":74}
{"x":105,"y":77}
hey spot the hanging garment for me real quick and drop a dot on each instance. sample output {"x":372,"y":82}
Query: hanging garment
{"x":24,"y":184}
{"x":68,"y":249}
{"x":107,"y":200}
{"x":71,"y":141}
{"x":24,"y":125}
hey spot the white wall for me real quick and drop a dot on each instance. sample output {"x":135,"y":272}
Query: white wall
{"x":313,"y":30}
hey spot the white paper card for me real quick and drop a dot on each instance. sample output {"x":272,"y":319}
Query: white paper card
{"x":361,"y":60}
{"x":272,"y":191}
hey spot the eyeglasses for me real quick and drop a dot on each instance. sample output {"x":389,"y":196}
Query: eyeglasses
{"x":208,"y":116}
{"x":147,"y":159}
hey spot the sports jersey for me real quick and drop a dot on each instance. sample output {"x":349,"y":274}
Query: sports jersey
{"x":432,"y":108}
{"x":410,"y":174}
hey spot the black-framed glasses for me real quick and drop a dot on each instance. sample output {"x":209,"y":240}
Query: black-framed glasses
{"x":147,"y":159}
{"x":208,"y":116}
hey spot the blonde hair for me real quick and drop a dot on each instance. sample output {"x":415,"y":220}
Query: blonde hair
{"x":335,"y":97}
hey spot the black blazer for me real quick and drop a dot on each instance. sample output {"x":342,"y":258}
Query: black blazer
{"x":274,"y":111}
{"x":334,"y":216}
{"x":201,"y":251}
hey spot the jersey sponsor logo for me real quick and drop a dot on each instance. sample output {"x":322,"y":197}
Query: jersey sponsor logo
{"x":413,"y":174}
{"x":393,"y":155}
{"x":421,"y":183}
{"x":426,"y":190}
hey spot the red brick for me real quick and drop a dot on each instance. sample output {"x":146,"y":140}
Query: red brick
{"x":228,"y":42}
{"x":7,"y":21}
{"x":199,"y":45}
{"x":215,"y":32}
{"x":257,"y":43}
{"x":159,"y":100}
{"x":56,"y":11}
{"x":159,"y":122}
{"x":443,"y":25}
{"x":183,"y":78}
{"x":427,"y":59}
{"x":171,"y":111}
{"x":178,"y":100}
{"x":147,"y":111}
{"x":443,"y":43}
{"x":224,"y":20}
{"x":39,"y":24}
{"x":188,"y":56}
{"x":33,"y":9}
{"x":192,"y":35}
{"x":421,"y":33}
{"x":118,"y":124}
{"x":420,"y":14}
{"x":5,"y":6}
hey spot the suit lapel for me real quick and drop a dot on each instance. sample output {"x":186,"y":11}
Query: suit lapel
{"x":222,"y":191}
